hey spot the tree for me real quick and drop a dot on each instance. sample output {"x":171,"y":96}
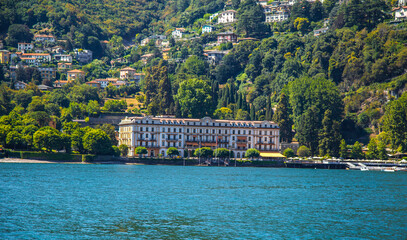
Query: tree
{"x":329,"y":137}
{"x":96,"y":141}
{"x":194,"y":98}
{"x":110,"y":131}
{"x":223,"y":113}
{"x":77,"y":139}
{"x":252,"y":153}
{"x":395,"y":122}
{"x":282,"y":117}
{"x":302,"y":25}
{"x":204,"y":152}
{"x":251,"y":19}
{"x":18,"y":33}
{"x":14,"y":139}
{"x":48,"y":138}
{"x":140,"y":151}
{"x":308,"y":129}
{"x":372,"y":152}
{"x":164,"y":92}
{"x":172,"y":151}
{"x":115,"y":105}
{"x":381,"y":150}
{"x":83,"y":94}
{"x":124,"y":150}
{"x":288,"y":152}
{"x":343,"y":149}
{"x":303,"y":151}
{"x":221,"y":153}
{"x":357,"y":152}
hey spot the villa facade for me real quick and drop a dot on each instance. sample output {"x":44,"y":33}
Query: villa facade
{"x":157,"y":134}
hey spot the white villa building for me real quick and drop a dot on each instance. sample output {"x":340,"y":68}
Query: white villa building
{"x":157,"y":134}
{"x":228,"y":16}
{"x":22,"y":47}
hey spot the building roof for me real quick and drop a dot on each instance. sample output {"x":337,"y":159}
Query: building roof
{"x":397,"y":8}
{"x":93,"y":82}
{"x":128,"y":69}
{"x":76,"y":71}
{"x":44,"y":87}
{"x":24,"y":43}
{"x":43,"y":35}
{"x":235,"y":123}
{"x":229,"y":11}
{"x":66,"y":63}
{"x":36,"y":54}
{"x":226,"y":33}
{"x":147,"y":55}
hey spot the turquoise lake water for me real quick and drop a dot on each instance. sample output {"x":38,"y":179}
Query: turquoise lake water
{"x":75,"y":201}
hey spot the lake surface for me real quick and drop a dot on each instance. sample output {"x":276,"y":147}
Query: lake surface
{"x":75,"y":201}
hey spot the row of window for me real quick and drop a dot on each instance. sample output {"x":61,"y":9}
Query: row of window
{"x":206,"y":124}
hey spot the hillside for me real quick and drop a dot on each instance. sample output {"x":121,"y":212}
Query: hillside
{"x":326,"y":72}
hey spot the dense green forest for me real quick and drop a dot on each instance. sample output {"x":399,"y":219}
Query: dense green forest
{"x":347,"y":83}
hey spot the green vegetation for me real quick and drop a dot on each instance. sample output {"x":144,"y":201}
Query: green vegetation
{"x":172,"y":152}
{"x":252,"y":153}
{"x":343,"y":86}
{"x":288,"y":152}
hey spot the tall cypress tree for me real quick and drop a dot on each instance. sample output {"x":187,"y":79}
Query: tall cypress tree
{"x":252,"y":113}
{"x":330,"y":137}
{"x":164,"y":91}
{"x":282,"y":117}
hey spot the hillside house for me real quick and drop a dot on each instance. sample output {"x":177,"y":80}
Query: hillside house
{"x":4,"y":56}
{"x":60,"y":83}
{"x":63,"y":58}
{"x":20,"y":85}
{"x":228,"y":16}
{"x":166,"y":53}
{"x":93,"y":84}
{"x":262,"y":2}
{"x":44,"y":38}
{"x":76,"y":75}
{"x":157,"y":38}
{"x":83,"y":56}
{"x":35,"y":58}
{"x":400,"y":13}
{"x":207,"y":29}
{"x":104,"y":82}
{"x":127,"y":73}
{"x":276,"y":13}
{"x":213,"y":16}
{"x":145,"y":57}
{"x":178,"y":32}
{"x":47,"y":73}
{"x":320,"y":31}
{"x":64,"y":66}
{"x":22,"y":47}
{"x":227,"y":37}
{"x":214,"y":57}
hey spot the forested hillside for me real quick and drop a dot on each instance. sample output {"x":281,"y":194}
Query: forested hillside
{"x":345,"y":83}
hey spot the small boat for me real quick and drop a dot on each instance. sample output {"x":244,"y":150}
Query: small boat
{"x":388,"y":170}
{"x":364,"y":168}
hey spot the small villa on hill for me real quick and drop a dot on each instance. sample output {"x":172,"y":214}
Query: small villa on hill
{"x":227,"y":37}
{"x":228,"y":16}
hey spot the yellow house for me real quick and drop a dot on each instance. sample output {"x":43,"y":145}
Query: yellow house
{"x":76,"y":75}
{"x":4,"y":56}
{"x":166,"y":52}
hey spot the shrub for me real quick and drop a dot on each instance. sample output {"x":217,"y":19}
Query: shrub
{"x":288,"y":152}
{"x":303,"y":151}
